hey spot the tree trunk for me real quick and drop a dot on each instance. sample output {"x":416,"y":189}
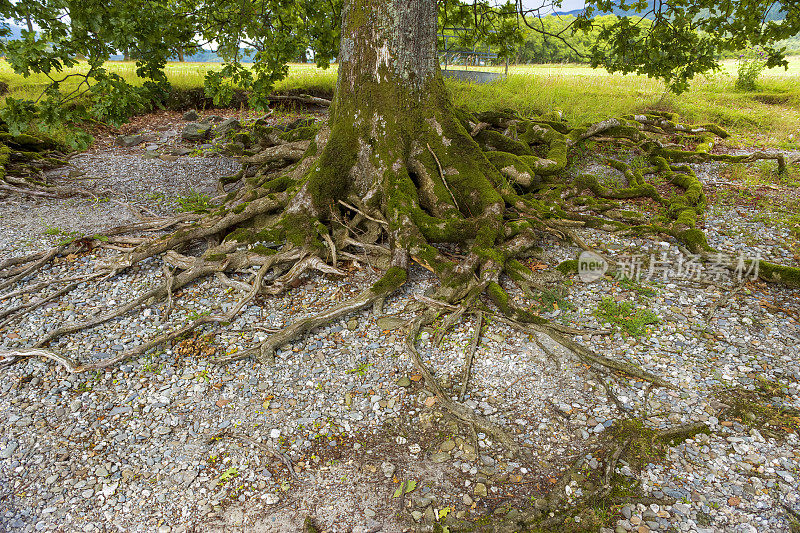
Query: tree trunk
{"x":393,"y":142}
{"x":180,"y":55}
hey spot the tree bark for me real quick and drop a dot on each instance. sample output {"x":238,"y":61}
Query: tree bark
{"x":393,"y":142}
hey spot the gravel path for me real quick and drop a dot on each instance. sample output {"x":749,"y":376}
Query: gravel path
{"x":129,"y":449}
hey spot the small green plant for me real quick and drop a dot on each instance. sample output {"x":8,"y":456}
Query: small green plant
{"x":228,"y":475}
{"x":53,"y":230}
{"x":194,"y":315}
{"x":751,"y":64}
{"x":632,"y":285}
{"x":404,"y":488}
{"x":361,"y":369}
{"x":626,"y":316}
{"x":195,"y":202}
{"x":548,"y":301}
{"x":84,"y":387}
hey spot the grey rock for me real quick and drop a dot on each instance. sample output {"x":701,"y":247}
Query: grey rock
{"x":180,"y":151}
{"x":229,"y":124}
{"x":440,"y":457}
{"x":9,"y":450}
{"x":127,"y":141}
{"x":191,"y":115}
{"x":388,"y":322}
{"x":196,"y":131}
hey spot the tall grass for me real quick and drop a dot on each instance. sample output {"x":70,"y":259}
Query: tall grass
{"x":767,"y":116}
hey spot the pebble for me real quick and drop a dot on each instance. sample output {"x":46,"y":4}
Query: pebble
{"x":137,"y":434}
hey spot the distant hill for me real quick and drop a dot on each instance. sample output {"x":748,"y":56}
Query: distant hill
{"x":775,"y":12}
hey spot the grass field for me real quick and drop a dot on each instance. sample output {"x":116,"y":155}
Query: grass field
{"x":768,"y":117}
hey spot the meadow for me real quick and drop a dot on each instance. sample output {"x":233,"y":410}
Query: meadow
{"x":769,"y":116}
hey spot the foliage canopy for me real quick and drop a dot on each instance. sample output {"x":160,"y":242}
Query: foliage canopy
{"x":672,"y":41}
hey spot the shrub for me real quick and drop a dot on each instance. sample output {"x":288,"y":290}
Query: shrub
{"x":752,"y":63}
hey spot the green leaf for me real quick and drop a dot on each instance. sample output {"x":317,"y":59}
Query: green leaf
{"x":229,"y":474}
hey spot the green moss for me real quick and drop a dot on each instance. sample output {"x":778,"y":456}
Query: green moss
{"x":568,"y":267}
{"x":260,"y":249}
{"x":499,"y":119}
{"x":695,"y":240}
{"x":305,"y":133}
{"x":240,"y":235}
{"x":391,"y":280}
{"x":759,"y":409}
{"x":493,"y":140}
{"x":499,"y":296}
{"x":779,"y":273}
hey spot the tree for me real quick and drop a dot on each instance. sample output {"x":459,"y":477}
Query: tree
{"x":396,"y":172}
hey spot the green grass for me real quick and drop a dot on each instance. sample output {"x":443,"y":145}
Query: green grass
{"x":626,"y":316}
{"x":194,"y":202}
{"x":767,"y":117}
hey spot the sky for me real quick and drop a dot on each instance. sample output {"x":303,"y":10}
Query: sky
{"x":566,"y":5}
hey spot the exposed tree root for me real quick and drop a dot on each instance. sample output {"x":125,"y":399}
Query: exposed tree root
{"x":468,"y":197}
{"x":301,"y":99}
{"x":495,"y":216}
{"x":390,"y":282}
{"x":470,"y":356}
{"x":458,"y":410}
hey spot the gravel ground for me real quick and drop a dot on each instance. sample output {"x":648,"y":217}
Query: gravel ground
{"x":130,"y":449}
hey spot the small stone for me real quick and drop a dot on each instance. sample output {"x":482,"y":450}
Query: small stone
{"x":9,"y":450}
{"x":352,"y":324}
{"x":404,"y":382}
{"x":110,"y":490}
{"x":388,"y":469}
{"x":480,"y":490}
{"x":164,"y":529}
{"x":733,"y":501}
{"x":440,"y":457}
{"x":467,"y":499}
{"x":191,"y":115}
{"x":447,"y":446}
{"x":275,"y":433}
